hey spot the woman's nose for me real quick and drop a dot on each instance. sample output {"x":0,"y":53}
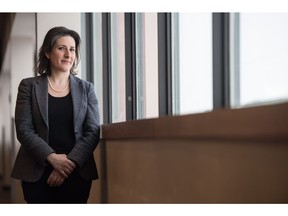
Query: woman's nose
{"x":67,"y":53}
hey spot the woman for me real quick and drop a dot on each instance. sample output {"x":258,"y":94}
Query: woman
{"x":57,"y":124}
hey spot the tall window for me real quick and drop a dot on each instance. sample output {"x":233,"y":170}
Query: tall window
{"x":192,"y":62}
{"x":259,"y":58}
{"x":258,"y":61}
{"x":97,"y":60}
{"x":118,"y":67}
{"x":146,"y":65}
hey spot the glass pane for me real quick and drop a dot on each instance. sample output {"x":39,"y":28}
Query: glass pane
{"x":146,"y":65}
{"x":192,"y":62}
{"x":140,"y":63}
{"x":118,"y":67}
{"x":262,"y":57}
{"x":97,"y":61}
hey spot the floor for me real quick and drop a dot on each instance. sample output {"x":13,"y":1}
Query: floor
{"x":4,"y":193}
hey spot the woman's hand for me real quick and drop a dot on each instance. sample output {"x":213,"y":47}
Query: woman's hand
{"x":61,"y":163}
{"x":55,"y":179}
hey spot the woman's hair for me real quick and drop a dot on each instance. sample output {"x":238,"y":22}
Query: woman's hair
{"x":43,"y":63}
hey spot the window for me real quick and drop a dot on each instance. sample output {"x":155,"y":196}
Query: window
{"x":259,"y":58}
{"x":146,"y":65}
{"x":151,"y":64}
{"x":97,"y":60}
{"x":118,"y":67}
{"x":192,"y":62}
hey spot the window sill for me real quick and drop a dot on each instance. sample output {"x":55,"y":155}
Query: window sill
{"x":263,"y":123}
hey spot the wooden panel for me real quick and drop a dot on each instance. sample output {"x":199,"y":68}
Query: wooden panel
{"x":183,"y":171}
{"x":225,"y":156}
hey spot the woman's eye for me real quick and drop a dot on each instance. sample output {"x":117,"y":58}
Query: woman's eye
{"x":72,"y":50}
{"x":61,"y":48}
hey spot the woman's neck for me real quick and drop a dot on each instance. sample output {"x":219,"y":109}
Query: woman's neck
{"x":58,"y":84}
{"x":59,"y":78}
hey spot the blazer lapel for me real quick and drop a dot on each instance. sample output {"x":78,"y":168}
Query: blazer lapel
{"x":77,"y":95}
{"x":41,"y":91}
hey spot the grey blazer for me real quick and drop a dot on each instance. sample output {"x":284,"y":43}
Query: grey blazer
{"x":32,"y":128}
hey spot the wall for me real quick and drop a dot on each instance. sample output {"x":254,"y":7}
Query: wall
{"x":22,"y":50}
{"x":187,"y":171}
{"x":5,"y":128}
{"x":226,"y":156}
{"x":18,"y":63}
{"x":22,"y":47}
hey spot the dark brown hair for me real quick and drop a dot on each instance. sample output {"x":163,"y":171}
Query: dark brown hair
{"x":43,"y":63}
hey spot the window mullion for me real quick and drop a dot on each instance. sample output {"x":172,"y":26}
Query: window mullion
{"x":107,"y":88}
{"x":130,"y":66}
{"x":165,"y":64}
{"x":221,"y":81}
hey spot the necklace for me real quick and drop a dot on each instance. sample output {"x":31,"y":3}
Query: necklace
{"x":59,"y":91}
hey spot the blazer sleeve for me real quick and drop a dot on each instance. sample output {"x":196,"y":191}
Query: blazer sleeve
{"x":27,"y":135}
{"x":89,"y":131}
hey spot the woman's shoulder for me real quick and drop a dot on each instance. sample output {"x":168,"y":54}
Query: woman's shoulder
{"x":32,"y":79}
{"x":29,"y":81}
{"x":82,"y":81}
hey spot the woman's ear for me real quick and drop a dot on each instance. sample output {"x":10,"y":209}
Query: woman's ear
{"x":47,"y":55}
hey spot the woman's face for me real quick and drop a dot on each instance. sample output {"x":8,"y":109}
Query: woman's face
{"x":62,"y":55}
